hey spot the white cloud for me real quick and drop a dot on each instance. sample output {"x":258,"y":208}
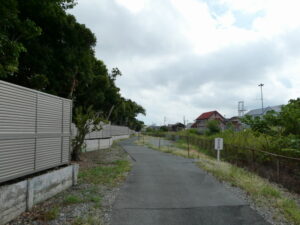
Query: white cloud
{"x":134,"y":6}
{"x":184,"y":57}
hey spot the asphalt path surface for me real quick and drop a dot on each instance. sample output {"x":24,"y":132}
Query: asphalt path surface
{"x":163,"y":189}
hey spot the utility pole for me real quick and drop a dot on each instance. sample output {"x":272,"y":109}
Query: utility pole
{"x":262,"y":99}
{"x":241,"y":108}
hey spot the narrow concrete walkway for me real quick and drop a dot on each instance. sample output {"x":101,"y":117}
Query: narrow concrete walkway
{"x":163,"y":189}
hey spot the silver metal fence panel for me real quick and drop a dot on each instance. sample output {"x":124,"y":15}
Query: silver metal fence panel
{"x":119,"y":130}
{"x":106,"y":132}
{"x":49,"y":115}
{"x":66,"y":150}
{"x":17,"y":110}
{"x":66,"y":131}
{"x":35,"y":131}
{"x":48,"y":152}
{"x":109,"y":131}
{"x":17,"y":157}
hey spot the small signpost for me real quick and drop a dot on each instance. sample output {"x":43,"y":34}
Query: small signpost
{"x":218,"y":146}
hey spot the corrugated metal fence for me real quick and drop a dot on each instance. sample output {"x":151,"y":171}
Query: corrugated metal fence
{"x":109,"y":131}
{"x":35,"y":131}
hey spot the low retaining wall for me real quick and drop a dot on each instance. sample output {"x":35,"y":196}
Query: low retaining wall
{"x":19,"y":197}
{"x":120,"y":137}
{"x":102,"y":143}
{"x":95,"y":144}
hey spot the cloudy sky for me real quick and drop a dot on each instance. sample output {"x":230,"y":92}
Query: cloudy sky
{"x":184,"y":57}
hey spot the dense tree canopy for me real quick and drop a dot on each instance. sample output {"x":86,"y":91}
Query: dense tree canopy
{"x":45,"y":48}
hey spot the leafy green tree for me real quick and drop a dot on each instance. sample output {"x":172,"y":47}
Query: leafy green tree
{"x":62,"y":54}
{"x":163,"y":128}
{"x":273,"y":123}
{"x":257,"y":124}
{"x":289,"y":117}
{"x":281,"y":130}
{"x":86,"y":121}
{"x":213,"y":127}
{"x":13,"y":30}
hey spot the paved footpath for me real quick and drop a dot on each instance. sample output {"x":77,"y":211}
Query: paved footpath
{"x":163,"y":189}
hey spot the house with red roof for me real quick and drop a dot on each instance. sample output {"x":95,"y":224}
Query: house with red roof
{"x":201,"y":121}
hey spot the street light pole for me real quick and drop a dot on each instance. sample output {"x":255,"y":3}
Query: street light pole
{"x":262,"y":99}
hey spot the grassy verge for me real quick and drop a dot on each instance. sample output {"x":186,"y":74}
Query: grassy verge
{"x":108,"y":174}
{"x":50,"y":214}
{"x":262,"y":192}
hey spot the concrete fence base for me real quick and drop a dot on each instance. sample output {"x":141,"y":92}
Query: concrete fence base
{"x":20,"y":197}
{"x":102,"y":143}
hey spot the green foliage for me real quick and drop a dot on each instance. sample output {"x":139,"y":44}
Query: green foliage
{"x":163,"y":128}
{"x":72,"y":199}
{"x":39,"y":81}
{"x":213,"y":127}
{"x":51,"y":214}
{"x":289,"y":117}
{"x":192,"y":131}
{"x":257,"y":124}
{"x":86,"y":121}
{"x":109,"y":175}
{"x":286,"y":122}
{"x":13,"y":30}
{"x":281,"y":130}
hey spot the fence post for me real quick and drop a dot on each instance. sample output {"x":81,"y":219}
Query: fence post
{"x":197,"y":144}
{"x":29,"y":194}
{"x":252,"y":159}
{"x":62,"y":131}
{"x":277,"y":170}
{"x":159,"y":142}
{"x":36,"y":126}
{"x":188,"y":146}
{"x":70,"y":132}
{"x":187,"y":141}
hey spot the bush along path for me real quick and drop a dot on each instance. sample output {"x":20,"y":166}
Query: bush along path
{"x":274,"y":203}
{"x":90,"y":202}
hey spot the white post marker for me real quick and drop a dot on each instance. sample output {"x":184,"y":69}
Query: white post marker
{"x":218,"y":146}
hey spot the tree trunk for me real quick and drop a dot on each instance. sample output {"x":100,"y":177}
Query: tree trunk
{"x":77,"y":147}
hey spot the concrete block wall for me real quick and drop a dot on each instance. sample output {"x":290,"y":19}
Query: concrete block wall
{"x":12,"y":201}
{"x":120,"y":137}
{"x":19,"y":197}
{"x":96,"y":144}
{"x":48,"y":185}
